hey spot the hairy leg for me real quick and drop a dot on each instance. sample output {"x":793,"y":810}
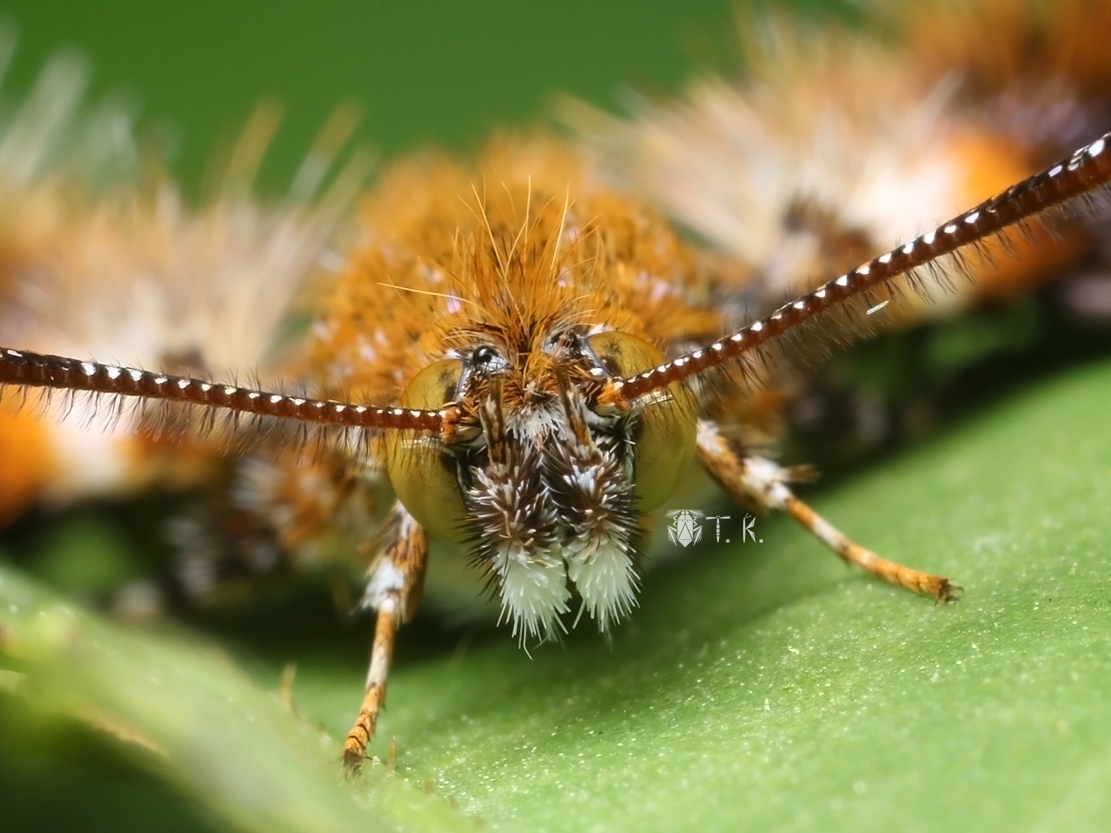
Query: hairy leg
{"x":394,"y":585}
{"x":760,"y":484}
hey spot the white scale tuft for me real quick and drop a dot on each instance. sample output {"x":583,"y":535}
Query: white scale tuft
{"x":534,"y":590}
{"x":601,"y":567}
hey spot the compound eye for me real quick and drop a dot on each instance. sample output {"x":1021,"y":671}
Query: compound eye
{"x":483,"y":355}
{"x":664,"y":430}
{"x":421,"y":472}
{"x":486,"y":360}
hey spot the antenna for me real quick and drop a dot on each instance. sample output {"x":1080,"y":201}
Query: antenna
{"x":1084,"y":171}
{"x":33,"y":370}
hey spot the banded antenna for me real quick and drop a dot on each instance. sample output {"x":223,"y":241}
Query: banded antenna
{"x":20,"y":368}
{"x":1081,"y":173}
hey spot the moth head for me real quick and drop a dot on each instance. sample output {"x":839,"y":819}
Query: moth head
{"x":546,"y":485}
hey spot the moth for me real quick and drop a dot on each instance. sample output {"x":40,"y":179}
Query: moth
{"x":523,"y":349}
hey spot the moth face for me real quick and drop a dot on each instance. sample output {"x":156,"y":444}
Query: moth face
{"x":546,"y":488}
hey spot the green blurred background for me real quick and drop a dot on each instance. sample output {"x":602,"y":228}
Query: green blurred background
{"x":442,"y":72}
{"x":445,"y":73}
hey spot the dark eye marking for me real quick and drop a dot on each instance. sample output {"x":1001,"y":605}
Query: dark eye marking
{"x":484,"y":356}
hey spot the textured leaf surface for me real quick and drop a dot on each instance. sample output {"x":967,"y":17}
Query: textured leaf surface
{"x":767,"y":685}
{"x":762,"y":684}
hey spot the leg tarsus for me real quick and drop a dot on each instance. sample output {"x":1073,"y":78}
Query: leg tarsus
{"x":354,"y":748}
{"x":950,"y":593}
{"x":852,"y":553}
{"x":393,"y":589}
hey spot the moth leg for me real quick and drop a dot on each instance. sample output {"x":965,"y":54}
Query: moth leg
{"x":760,"y":485}
{"x":394,"y":585}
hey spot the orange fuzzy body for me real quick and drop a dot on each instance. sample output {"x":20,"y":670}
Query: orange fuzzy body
{"x":522,"y":244}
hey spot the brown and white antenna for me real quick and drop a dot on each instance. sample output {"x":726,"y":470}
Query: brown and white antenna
{"x":20,"y":368}
{"x":1081,"y":173}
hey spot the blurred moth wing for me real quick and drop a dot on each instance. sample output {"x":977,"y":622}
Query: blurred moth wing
{"x":101,"y":256}
{"x":835,"y":142}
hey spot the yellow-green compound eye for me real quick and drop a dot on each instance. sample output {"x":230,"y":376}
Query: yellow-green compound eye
{"x":665,"y":425}
{"x":421,"y":474}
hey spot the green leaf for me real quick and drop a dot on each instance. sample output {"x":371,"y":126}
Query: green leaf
{"x":767,"y":685}
{"x":189,"y":715}
{"x":762,"y":684}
